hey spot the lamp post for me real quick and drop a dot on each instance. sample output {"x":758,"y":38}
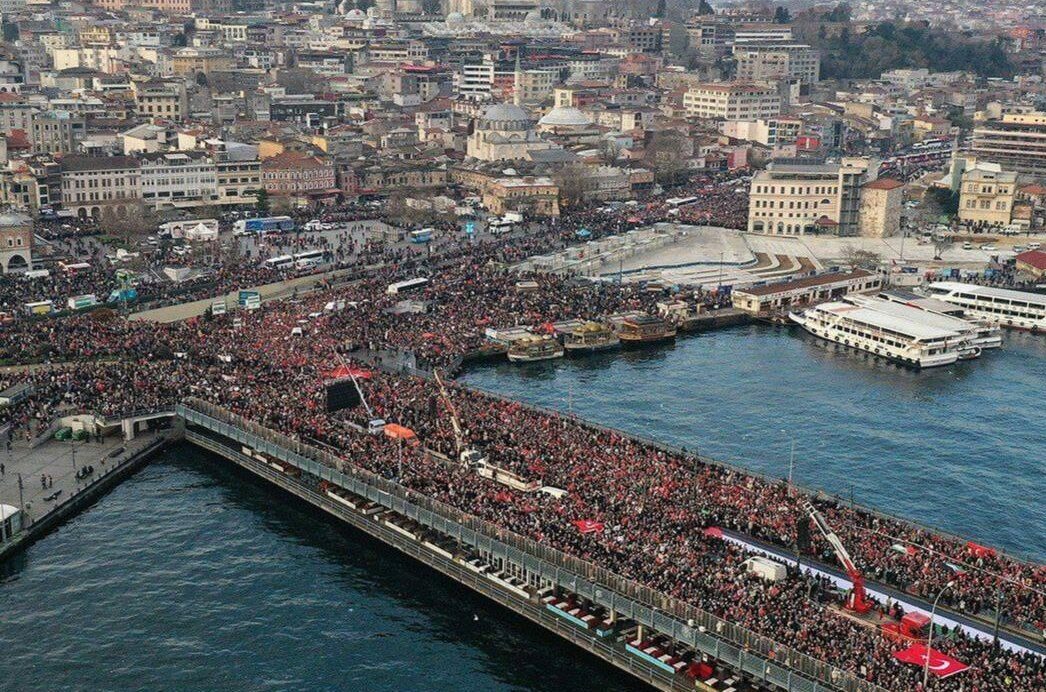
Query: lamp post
{"x":929,"y":637}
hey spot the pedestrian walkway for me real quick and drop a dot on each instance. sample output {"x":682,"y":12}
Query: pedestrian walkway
{"x":57,"y":462}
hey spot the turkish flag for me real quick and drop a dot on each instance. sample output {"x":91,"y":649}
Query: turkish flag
{"x":589,"y":525}
{"x":941,"y":665}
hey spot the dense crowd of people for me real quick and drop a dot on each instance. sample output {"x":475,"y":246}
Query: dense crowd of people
{"x":272,"y":365}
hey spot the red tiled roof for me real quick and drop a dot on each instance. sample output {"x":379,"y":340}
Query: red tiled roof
{"x":884,"y":184}
{"x":1033,"y":258}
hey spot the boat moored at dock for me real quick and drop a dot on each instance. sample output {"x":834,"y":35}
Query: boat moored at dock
{"x":983,"y":333}
{"x":645,"y":329}
{"x":535,"y":348}
{"x":1002,"y":306}
{"x":590,"y":337}
{"x":886,"y":333}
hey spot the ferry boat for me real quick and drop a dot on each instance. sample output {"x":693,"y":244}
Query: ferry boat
{"x":1002,"y":306}
{"x":645,"y":329}
{"x":900,"y":339}
{"x":983,"y":333}
{"x":535,"y":348}
{"x":590,"y":337}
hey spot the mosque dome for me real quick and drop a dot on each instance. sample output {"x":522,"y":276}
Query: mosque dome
{"x":533,"y":17}
{"x":565,"y":116}
{"x":455,"y":19}
{"x":506,"y":117}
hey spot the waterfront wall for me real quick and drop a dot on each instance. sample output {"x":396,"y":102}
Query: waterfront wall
{"x":760,"y":657}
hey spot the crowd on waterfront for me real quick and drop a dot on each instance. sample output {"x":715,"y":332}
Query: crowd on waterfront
{"x":654,"y":504}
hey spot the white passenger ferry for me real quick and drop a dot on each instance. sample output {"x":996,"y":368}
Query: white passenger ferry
{"x":1002,"y":306}
{"x":901,"y":339}
{"x":980,"y":332}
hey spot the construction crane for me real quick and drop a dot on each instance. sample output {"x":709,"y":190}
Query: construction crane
{"x":857,"y":601}
{"x":470,"y":457}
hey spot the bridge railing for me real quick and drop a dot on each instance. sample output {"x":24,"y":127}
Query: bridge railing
{"x":732,"y":642}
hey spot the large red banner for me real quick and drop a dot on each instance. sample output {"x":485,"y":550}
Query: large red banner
{"x":941,"y":665}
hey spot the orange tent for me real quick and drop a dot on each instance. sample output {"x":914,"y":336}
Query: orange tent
{"x":398,"y":432}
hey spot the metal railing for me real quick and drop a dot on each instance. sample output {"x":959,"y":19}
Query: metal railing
{"x":731,"y":643}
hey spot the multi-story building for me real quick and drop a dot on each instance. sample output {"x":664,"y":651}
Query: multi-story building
{"x":538,"y":196}
{"x":732,"y":101}
{"x":174,"y":180}
{"x":56,"y":132}
{"x":201,"y":60}
{"x":772,"y":133}
{"x":1017,"y":142}
{"x":238,"y":179}
{"x":161,"y":99}
{"x":16,"y":116}
{"x":986,"y":196}
{"x":298,"y":175}
{"x":105,"y":188}
{"x":799,"y":198}
{"x":16,"y":242}
{"x":764,"y":62}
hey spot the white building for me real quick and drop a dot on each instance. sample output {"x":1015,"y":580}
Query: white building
{"x":178,"y":179}
{"x":794,"y":199}
{"x":732,"y":101}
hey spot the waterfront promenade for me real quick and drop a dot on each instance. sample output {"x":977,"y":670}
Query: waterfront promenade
{"x":49,"y":483}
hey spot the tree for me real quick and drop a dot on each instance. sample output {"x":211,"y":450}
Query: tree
{"x":575,"y":182}
{"x":782,"y":15}
{"x":261,"y":203}
{"x":704,"y":8}
{"x":609,"y":150}
{"x":678,"y":40}
{"x":666,"y":155}
{"x":659,"y":10}
{"x":859,"y":258}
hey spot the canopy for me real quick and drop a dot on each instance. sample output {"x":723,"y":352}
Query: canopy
{"x":941,"y":665}
{"x":399,"y":432}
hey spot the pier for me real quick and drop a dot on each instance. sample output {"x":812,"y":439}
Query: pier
{"x":69,"y":488}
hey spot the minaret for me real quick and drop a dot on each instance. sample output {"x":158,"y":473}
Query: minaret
{"x":517,"y":90}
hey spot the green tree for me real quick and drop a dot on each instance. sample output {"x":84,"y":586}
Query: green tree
{"x":262,"y":204}
{"x":704,"y":8}
{"x":782,"y":15}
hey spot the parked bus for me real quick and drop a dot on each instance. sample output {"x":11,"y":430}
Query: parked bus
{"x":680,"y":201}
{"x":310,"y":258}
{"x":422,"y":236}
{"x":281,"y":262}
{"x":407,"y":285}
{"x":267,"y":224}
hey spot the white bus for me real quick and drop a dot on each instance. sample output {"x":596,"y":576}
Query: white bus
{"x":281,"y":262}
{"x":309,"y":258}
{"x":407,"y":286}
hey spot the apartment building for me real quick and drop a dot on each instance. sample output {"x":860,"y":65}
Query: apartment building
{"x":732,"y":101}
{"x":161,"y":99}
{"x":767,"y":62}
{"x":986,"y":196}
{"x":55,"y":132}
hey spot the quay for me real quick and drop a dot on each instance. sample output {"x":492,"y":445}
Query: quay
{"x":39,"y":509}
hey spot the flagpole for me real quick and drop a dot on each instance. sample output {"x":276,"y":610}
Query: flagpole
{"x":929,"y":637}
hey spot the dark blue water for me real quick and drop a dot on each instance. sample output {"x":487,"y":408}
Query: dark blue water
{"x":962,"y":448}
{"x":190,"y":576}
